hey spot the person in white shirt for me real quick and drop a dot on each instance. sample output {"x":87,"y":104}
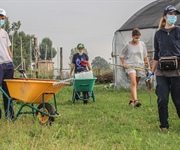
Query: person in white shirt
{"x":6,"y":64}
{"x":134,"y":54}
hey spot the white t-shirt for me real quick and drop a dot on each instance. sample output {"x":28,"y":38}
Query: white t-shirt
{"x":134,"y":54}
{"x":4,"y":43}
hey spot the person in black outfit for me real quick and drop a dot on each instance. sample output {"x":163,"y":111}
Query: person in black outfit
{"x":166,"y":64}
{"x":80,"y":63}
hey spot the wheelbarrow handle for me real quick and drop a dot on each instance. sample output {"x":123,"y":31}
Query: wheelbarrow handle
{"x":61,"y":82}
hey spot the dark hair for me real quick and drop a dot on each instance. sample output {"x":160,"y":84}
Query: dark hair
{"x":136,"y":32}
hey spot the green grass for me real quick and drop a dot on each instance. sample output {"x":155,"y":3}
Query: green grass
{"x":107,"y":124}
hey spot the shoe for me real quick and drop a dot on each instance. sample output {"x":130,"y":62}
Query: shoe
{"x":10,"y":115}
{"x":85,"y":101}
{"x":77,"y":100}
{"x":131,"y":102}
{"x":85,"y":97}
{"x":137,"y":103}
{"x":164,"y":129}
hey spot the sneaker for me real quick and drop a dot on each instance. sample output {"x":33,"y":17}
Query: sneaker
{"x":137,"y":103}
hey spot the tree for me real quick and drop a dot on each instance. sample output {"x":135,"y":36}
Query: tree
{"x":15,"y":26}
{"x":20,"y":42}
{"x":47,"y":52}
{"x":99,"y":62}
{"x":7,"y":26}
{"x":23,"y":44}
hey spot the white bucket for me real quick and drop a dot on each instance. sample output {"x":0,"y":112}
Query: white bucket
{"x":84,"y":75}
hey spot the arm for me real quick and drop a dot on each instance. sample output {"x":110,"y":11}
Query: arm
{"x":155,"y":63}
{"x":72,"y":69}
{"x":89,"y":66}
{"x":156,"y":52}
{"x":146,"y":61}
{"x":9,"y":51}
{"x":123,"y":62}
{"x":122,"y":55}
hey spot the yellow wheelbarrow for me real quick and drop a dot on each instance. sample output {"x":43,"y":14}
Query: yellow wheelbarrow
{"x":34,"y":91}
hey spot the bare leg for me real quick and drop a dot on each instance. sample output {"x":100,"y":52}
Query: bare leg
{"x":137,"y":80}
{"x":134,"y":83}
{"x":133,"y":86}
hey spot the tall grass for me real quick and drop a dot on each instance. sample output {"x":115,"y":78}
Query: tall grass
{"x":107,"y":124}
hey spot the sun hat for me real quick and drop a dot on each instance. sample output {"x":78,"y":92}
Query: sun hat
{"x":171,"y":8}
{"x":80,"y":45}
{"x":2,"y":12}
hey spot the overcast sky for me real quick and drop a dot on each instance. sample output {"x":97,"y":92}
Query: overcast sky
{"x":69,"y":22}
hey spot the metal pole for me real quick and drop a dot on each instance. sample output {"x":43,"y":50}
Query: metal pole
{"x":61,"y":63}
{"x":12,"y":44}
{"x":21,"y":53}
{"x":36,"y":55}
{"x":30,"y":47}
{"x":45,"y":57}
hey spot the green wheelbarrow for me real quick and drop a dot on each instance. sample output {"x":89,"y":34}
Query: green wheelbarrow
{"x":83,"y":85}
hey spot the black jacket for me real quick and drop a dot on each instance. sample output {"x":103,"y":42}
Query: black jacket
{"x":167,"y":43}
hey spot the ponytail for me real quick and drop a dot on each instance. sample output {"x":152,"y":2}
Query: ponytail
{"x":162,"y":23}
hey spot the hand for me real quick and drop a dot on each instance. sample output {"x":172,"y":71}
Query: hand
{"x":124,"y":65}
{"x":149,"y":71}
{"x":149,"y":77}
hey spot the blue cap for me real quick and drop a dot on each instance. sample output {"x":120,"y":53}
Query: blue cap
{"x":171,"y":8}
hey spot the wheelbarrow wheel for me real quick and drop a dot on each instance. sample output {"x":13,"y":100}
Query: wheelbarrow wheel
{"x":45,"y":119}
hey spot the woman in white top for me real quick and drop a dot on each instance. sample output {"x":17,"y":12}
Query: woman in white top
{"x":134,"y":54}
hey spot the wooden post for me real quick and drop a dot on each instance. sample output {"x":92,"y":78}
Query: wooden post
{"x":36,"y":56}
{"x":98,"y":70}
{"x":61,"y":64}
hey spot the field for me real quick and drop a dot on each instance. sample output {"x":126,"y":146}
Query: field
{"x":107,"y":124}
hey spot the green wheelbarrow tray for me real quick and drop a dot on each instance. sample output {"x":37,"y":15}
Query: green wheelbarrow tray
{"x":83,"y":85}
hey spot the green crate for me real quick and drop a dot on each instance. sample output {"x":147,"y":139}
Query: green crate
{"x":84,"y":85}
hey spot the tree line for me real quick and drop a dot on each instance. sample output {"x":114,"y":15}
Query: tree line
{"x":23,"y":45}
{"x":23,"y":48}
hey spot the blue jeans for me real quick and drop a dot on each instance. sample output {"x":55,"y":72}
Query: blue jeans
{"x":6,"y":72}
{"x":166,"y":86}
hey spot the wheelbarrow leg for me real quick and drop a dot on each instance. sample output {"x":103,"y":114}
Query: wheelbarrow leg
{"x":55,"y":104}
{"x":19,"y":111}
{"x":73,"y":96}
{"x":94,"y":99}
{"x":33,"y":112}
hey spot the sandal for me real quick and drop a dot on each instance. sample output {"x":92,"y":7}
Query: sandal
{"x":137,"y":103}
{"x":131,"y":102}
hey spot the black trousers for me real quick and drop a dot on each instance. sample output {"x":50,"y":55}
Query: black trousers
{"x":85,"y":95}
{"x":6,"y":72}
{"x":166,"y":86}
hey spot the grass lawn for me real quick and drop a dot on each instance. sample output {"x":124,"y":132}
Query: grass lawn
{"x":107,"y":124}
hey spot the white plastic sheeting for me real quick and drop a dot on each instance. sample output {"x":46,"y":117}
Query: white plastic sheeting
{"x":119,"y":41}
